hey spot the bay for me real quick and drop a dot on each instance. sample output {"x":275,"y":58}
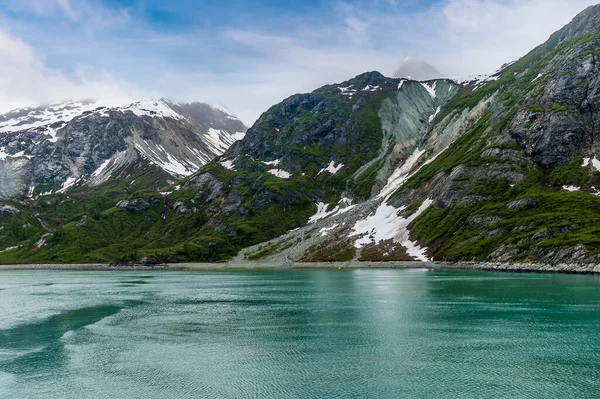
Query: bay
{"x":318,"y":333}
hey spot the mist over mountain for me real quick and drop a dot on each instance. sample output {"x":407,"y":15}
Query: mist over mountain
{"x":417,"y":68}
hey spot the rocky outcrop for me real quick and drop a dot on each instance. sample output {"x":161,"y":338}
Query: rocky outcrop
{"x":561,"y":112}
{"x":7,"y":210}
{"x":521,"y":204}
{"x":134,"y":205}
{"x":180,"y":208}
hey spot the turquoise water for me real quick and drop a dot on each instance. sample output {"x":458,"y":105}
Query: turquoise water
{"x":298,"y":334}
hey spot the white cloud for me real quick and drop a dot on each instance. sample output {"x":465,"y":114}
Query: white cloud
{"x":481,"y":35}
{"x":25,"y":80}
{"x":357,"y":28}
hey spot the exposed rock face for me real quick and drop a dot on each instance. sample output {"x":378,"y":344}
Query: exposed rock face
{"x":135,"y":205}
{"x":59,"y":147}
{"x":180,"y":208}
{"x":562,"y":110}
{"x":585,"y":23}
{"x":316,"y":120}
{"x":7,"y":210}
{"x":521,"y":204}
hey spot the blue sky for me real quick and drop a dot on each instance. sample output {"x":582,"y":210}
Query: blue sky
{"x":248,"y":55}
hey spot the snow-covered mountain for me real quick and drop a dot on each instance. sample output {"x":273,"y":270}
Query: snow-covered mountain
{"x":55,"y":148}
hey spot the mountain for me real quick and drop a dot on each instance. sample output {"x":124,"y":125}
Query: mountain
{"x":59,"y":147}
{"x":505,"y":168}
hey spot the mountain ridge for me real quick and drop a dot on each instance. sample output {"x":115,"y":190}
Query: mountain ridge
{"x":50,"y":148}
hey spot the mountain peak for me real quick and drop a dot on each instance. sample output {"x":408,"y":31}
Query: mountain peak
{"x":49,"y":115}
{"x":586,"y":22}
{"x":590,"y":11}
{"x":55,"y":148}
{"x":372,"y":78}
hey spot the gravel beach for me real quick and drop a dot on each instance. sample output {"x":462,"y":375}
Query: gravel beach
{"x":498,"y":267}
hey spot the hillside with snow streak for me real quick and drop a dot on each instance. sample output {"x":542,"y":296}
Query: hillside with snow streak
{"x":85,"y":143}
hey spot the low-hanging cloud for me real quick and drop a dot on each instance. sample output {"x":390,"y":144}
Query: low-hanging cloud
{"x":417,"y":68}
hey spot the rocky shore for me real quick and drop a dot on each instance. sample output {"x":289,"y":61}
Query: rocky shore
{"x":494,"y":267}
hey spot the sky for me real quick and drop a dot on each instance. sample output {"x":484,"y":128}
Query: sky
{"x":247,"y":55}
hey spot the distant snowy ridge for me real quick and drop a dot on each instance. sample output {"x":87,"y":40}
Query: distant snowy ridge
{"x":85,"y":142}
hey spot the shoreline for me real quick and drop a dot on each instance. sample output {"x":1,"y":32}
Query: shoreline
{"x":591,"y":269}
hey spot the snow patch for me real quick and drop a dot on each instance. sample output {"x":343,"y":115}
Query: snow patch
{"x":537,"y":77}
{"x":331,"y":168}
{"x":224,"y":110}
{"x":217,"y":139}
{"x":280,"y":173}
{"x":401,"y":174}
{"x":430,"y":89}
{"x":41,"y":119}
{"x":344,"y":205}
{"x":173,"y":166}
{"x":273,"y":163}
{"x":325,"y":230}
{"x":347,"y":91}
{"x":571,"y":188}
{"x":101,"y":168}
{"x":4,"y":154}
{"x":484,"y":81}
{"x":586,"y":162}
{"x":42,"y":241}
{"x":165,"y":161}
{"x":371,"y":88}
{"x":67,"y":184}
{"x":152,"y":108}
{"x":477,"y":81}
{"x":227,"y":165}
{"x":437,"y":111}
{"x":237,"y":136}
{"x":321,"y":213}
{"x":386,"y":224}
